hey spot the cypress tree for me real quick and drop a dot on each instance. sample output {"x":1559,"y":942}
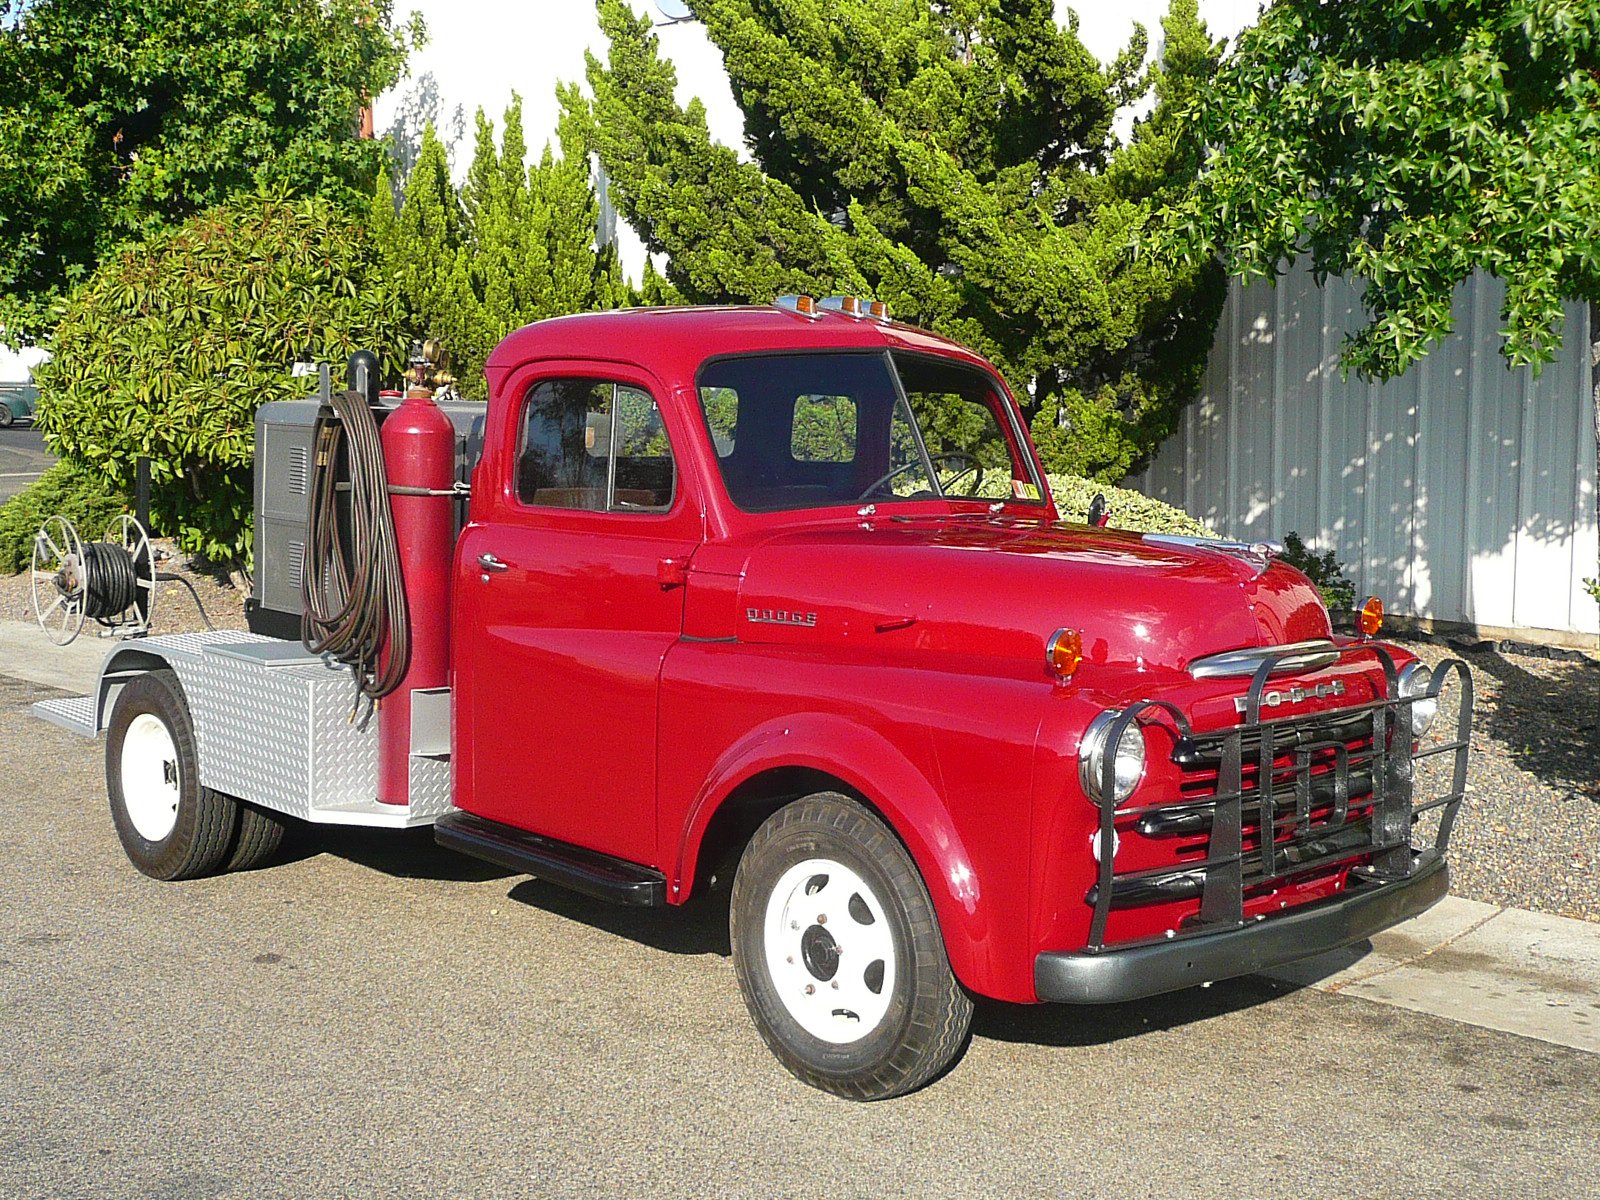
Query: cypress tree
{"x":956,"y":160}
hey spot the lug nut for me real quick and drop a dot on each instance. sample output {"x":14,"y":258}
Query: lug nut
{"x":811,"y":989}
{"x":822,"y":918}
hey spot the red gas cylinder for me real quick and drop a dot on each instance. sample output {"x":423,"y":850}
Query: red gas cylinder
{"x":419,"y":454}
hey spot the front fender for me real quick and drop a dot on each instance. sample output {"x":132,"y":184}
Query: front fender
{"x":902,"y":793}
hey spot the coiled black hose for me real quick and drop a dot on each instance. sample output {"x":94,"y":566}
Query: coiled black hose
{"x":355,"y":599}
{"x":110,"y":583}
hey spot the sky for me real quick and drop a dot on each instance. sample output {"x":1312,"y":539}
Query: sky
{"x":480,"y":51}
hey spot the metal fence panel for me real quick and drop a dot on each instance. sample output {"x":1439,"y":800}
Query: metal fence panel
{"x":1462,"y":491}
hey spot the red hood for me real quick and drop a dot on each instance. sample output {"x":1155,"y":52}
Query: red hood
{"x":1000,"y":588}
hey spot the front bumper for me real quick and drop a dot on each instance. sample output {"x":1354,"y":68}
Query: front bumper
{"x":1147,"y":969}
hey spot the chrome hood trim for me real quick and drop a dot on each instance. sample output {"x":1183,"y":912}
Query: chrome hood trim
{"x":1260,"y":554}
{"x":1296,"y":658}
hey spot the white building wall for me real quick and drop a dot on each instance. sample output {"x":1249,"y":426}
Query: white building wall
{"x":1461,"y":491}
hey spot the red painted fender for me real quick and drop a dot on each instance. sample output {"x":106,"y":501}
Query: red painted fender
{"x":902,"y":794}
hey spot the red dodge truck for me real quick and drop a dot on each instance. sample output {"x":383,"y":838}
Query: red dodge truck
{"x":776,"y":600}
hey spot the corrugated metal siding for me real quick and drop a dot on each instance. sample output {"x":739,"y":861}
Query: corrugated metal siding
{"x":1461,"y":491}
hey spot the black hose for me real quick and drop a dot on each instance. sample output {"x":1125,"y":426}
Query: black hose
{"x":355,"y":600}
{"x":110,"y":583}
{"x":169,"y":577}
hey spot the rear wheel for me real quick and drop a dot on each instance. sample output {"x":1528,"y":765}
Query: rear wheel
{"x":260,"y":835}
{"x":7,"y":417}
{"x":839,"y":955}
{"x":170,"y":826}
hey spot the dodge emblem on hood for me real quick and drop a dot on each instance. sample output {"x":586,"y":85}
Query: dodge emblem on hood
{"x":780,"y":616}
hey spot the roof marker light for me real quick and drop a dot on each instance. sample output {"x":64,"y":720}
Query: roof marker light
{"x":805,"y":306}
{"x":877,"y":310}
{"x":848,"y":306}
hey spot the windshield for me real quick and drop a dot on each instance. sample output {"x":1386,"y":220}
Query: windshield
{"x":813,"y":430}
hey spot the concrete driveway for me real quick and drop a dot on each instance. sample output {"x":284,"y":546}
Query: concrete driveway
{"x":376,"y":1017}
{"x":23,"y":458}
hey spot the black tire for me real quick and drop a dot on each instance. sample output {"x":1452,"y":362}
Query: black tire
{"x":260,"y":834}
{"x":924,"y":1027}
{"x":7,"y":417}
{"x":203,"y":822}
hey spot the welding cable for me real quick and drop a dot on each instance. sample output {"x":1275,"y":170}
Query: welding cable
{"x":355,"y":600}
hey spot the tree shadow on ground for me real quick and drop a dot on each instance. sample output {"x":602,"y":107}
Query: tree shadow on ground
{"x":1549,"y":725}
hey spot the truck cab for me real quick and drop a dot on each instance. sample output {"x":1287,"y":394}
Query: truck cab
{"x":774,"y":601}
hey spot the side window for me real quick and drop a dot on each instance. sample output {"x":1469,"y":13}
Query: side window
{"x":824,"y":429}
{"x":644,"y":475}
{"x":569,"y":430}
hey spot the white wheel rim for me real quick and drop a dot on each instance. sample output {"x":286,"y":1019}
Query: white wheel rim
{"x":827,"y":941}
{"x":151,"y":781}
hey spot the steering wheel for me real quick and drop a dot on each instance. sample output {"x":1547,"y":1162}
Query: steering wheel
{"x":975,"y":466}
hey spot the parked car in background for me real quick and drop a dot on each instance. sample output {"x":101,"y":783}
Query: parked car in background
{"x":17,"y":402}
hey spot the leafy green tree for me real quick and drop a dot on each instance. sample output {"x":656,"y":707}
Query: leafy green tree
{"x":120,"y":118}
{"x":515,"y":244}
{"x":1409,"y":144}
{"x":169,"y":348}
{"x":954,"y":159}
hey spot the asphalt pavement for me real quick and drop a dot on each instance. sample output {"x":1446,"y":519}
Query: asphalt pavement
{"x":23,"y":458}
{"x":373,"y":1016}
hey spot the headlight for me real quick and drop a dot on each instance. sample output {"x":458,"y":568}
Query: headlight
{"x":1128,"y":766}
{"x":1415,"y":680}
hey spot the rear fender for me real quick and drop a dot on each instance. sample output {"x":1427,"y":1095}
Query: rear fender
{"x":900,"y":792}
{"x":121,"y":667}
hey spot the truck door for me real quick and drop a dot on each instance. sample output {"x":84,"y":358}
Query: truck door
{"x":567,"y":615}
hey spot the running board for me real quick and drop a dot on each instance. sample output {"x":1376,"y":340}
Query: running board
{"x":582,"y":870}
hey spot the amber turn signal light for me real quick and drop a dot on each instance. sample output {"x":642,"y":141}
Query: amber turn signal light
{"x":1064,"y":652}
{"x":1370,"y":617}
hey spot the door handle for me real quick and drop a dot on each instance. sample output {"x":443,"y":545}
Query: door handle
{"x":490,"y":563}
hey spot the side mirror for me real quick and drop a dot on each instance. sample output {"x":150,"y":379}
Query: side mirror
{"x":1099,"y":512}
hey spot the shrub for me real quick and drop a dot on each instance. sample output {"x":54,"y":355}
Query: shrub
{"x":170,"y":346}
{"x":1338,"y":593}
{"x":67,"y":489}
{"x":1129,"y":509}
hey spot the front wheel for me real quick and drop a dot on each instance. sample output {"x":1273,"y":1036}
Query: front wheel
{"x":839,"y":956}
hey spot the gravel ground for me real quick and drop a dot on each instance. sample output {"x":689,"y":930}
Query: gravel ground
{"x":1529,"y":834}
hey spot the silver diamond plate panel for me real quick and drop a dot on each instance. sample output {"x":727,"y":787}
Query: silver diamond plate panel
{"x":283,"y":736}
{"x":72,"y":713}
{"x":430,"y":786}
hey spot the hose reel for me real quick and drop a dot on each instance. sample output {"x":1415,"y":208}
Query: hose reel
{"x":113,"y":581}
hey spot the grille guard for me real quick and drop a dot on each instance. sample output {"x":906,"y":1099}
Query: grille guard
{"x":1388,"y":772}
